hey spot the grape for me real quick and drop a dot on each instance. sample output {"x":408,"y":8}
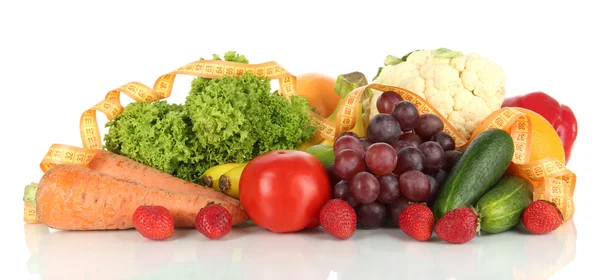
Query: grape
{"x":395,"y":208}
{"x":428,"y":125}
{"x":433,"y":156}
{"x":381,"y":158}
{"x":350,"y":133}
{"x":386,"y":101}
{"x":399,"y":144}
{"x":341,"y":190}
{"x":353,"y":202}
{"x":450,"y":159}
{"x":348,"y":163}
{"x":389,"y":188}
{"x":383,"y":128}
{"x":440,"y":177}
{"x":334,"y":178}
{"x":406,"y":114}
{"x":364,"y":187}
{"x":412,"y":138}
{"x":365,"y":143}
{"x":414,"y":185}
{"x":348,"y":142}
{"x":371,"y":215}
{"x":409,"y":158}
{"x":445,"y":140}
{"x":433,"y":191}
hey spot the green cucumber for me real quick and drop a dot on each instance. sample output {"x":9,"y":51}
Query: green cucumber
{"x":480,"y":167}
{"x":501,"y":207}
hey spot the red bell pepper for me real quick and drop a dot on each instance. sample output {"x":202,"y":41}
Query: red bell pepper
{"x":559,"y":115}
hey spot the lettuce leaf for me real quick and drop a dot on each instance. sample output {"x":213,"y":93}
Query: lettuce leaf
{"x":227,"y":119}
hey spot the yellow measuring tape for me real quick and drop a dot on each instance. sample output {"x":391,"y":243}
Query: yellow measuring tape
{"x":347,"y":114}
{"x":111,"y":105}
{"x":551,"y":179}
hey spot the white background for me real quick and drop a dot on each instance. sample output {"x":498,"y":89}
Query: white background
{"x":58,"y":58}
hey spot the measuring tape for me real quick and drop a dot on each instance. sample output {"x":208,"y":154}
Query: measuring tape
{"x":347,"y":114}
{"x":554,"y":181}
{"x":111,"y":105}
{"x":29,"y":210}
{"x":551,"y":179}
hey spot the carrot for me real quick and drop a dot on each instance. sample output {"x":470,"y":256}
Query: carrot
{"x":77,"y":198}
{"x":123,"y":167}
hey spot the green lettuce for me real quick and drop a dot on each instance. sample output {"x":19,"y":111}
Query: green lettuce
{"x":223,"y":120}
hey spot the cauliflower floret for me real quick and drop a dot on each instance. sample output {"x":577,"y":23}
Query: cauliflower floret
{"x":465,"y":89}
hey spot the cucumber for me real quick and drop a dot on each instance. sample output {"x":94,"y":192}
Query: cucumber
{"x":480,"y":167}
{"x":501,"y":207}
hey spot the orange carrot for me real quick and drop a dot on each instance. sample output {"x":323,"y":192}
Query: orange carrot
{"x":77,"y":198}
{"x":122,"y":167}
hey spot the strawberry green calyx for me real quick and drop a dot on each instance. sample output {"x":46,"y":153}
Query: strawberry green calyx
{"x":478,"y":229}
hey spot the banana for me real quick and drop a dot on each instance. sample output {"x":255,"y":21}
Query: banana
{"x":210,"y":178}
{"x":229,"y":183}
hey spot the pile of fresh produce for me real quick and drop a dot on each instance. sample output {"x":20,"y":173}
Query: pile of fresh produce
{"x":432,"y":148}
{"x":403,"y":158}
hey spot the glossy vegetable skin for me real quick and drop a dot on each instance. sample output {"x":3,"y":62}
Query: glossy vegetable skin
{"x":283,"y":191}
{"x":480,"y":167}
{"x":501,"y":207}
{"x":559,"y":115}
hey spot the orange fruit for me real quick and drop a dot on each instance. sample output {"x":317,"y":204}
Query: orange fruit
{"x":545,"y":141}
{"x":319,"y":92}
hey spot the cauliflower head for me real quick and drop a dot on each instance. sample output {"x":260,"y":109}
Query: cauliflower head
{"x":465,"y":89}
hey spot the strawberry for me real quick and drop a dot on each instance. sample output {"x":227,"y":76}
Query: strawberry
{"x":153,"y":222}
{"x":541,"y":217}
{"x":338,"y":218}
{"x":416,"y":220}
{"x":458,"y":226}
{"x":213,"y":221}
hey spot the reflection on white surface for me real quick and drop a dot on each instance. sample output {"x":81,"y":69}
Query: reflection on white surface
{"x":253,"y":253}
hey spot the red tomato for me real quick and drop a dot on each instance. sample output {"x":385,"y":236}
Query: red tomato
{"x":283,"y":191}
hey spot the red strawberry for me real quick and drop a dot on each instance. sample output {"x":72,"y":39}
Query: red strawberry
{"x":153,"y":222}
{"x":338,"y":218}
{"x":541,"y":217}
{"x":213,"y":221}
{"x":416,"y":220}
{"x":458,"y":226}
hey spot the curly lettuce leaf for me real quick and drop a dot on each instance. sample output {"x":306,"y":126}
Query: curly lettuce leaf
{"x":227,"y":119}
{"x":230,"y":56}
{"x":157,"y":134}
{"x":239,"y":118}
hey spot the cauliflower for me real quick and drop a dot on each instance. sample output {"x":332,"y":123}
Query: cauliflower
{"x":465,"y":89}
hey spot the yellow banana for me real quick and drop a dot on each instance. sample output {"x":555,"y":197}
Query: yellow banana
{"x":304,"y":146}
{"x":210,"y":178}
{"x":229,"y":183}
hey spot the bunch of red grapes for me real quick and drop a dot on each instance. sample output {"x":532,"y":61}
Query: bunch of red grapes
{"x":404,"y":158}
